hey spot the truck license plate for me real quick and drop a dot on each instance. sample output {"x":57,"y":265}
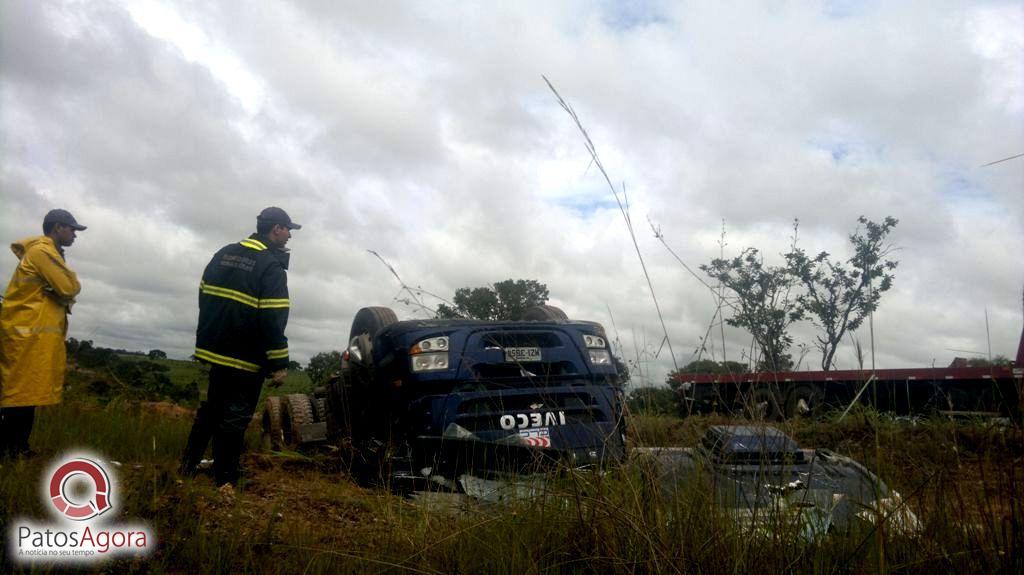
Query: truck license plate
{"x":521,"y":354}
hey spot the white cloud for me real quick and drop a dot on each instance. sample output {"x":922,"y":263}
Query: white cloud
{"x":424,"y":131}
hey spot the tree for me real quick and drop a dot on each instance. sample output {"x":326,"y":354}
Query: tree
{"x":705,"y":366}
{"x":294,"y":366}
{"x":652,"y":401}
{"x":997,"y":361}
{"x":88,"y":356}
{"x":505,"y":300}
{"x":762,"y":303}
{"x":323,"y":365}
{"x":156,"y":354}
{"x":712,"y":366}
{"x":840,"y":296}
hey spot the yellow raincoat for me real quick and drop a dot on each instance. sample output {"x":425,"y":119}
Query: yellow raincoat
{"x":33,"y":323}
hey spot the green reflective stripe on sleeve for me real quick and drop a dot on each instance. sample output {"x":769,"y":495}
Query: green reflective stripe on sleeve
{"x":277,"y":353}
{"x":253,"y":244}
{"x":229,"y":294}
{"x":274,"y":303}
{"x":225,"y":360}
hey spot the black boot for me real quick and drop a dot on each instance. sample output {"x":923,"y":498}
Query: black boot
{"x":227,"y":453}
{"x":198,"y":438}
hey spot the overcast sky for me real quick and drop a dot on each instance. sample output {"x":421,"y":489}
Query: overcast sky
{"x":425,"y":132}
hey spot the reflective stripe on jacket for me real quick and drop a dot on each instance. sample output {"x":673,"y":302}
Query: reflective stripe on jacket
{"x":33,"y":322}
{"x":243,"y":308}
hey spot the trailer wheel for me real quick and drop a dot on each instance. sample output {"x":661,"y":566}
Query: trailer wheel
{"x":805,"y":400}
{"x":272,"y":437}
{"x":762,"y":403}
{"x":370,"y":320}
{"x":299,"y":412}
{"x":544,"y":313}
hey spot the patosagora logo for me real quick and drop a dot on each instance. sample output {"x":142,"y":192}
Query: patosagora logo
{"x":80,"y":494}
{"x":64,"y":478}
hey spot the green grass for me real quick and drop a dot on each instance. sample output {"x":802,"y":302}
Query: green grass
{"x":182,"y":373}
{"x":296,"y":515}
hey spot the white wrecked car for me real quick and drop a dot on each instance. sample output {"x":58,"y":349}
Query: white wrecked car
{"x":764,"y":480}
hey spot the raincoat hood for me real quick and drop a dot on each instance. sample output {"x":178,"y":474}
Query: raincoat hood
{"x":21,"y":246}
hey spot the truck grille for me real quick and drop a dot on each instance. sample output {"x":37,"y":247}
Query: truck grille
{"x":539,"y":370}
{"x":536,"y":339}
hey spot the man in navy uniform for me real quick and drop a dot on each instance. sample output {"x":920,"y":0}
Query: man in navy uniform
{"x":243,"y":311}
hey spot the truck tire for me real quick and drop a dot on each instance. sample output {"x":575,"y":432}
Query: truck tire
{"x":544,"y":313}
{"x":273,"y":434}
{"x":762,"y":403}
{"x":336,"y":414}
{"x":370,"y":320}
{"x":319,"y":409}
{"x":805,"y":400}
{"x":299,"y":412}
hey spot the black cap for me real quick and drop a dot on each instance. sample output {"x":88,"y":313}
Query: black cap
{"x":62,"y":217}
{"x":278,"y":216}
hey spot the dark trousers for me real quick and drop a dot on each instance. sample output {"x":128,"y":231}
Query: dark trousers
{"x":15,"y":427}
{"x":230,"y":403}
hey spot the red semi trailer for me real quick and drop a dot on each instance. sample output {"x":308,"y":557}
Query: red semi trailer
{"x":954,"y":390}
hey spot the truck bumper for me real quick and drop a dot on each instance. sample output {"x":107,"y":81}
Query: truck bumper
{"x":452,"y":457}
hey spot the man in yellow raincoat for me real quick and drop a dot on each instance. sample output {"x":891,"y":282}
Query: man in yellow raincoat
{"x":33,"y":323}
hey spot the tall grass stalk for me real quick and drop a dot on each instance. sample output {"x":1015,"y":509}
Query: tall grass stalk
{"x":623,"y":205}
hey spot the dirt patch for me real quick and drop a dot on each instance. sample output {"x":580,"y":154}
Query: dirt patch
{"x":279,"y":497}
{"x":166,"y":409}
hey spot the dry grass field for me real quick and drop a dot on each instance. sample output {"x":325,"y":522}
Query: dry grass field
{"x":301,"y":513}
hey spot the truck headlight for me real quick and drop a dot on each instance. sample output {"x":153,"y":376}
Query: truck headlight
{"x":593,"y":341}
{"x":430,"y":354}
{"x":600,"y":357}
{"x":430,"y":361}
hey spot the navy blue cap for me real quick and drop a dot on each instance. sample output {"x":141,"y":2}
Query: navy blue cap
{"x":278,"y":216}
{"x":59,"y":216}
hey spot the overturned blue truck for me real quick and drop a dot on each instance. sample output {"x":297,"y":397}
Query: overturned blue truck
{"x":438,"y":398}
